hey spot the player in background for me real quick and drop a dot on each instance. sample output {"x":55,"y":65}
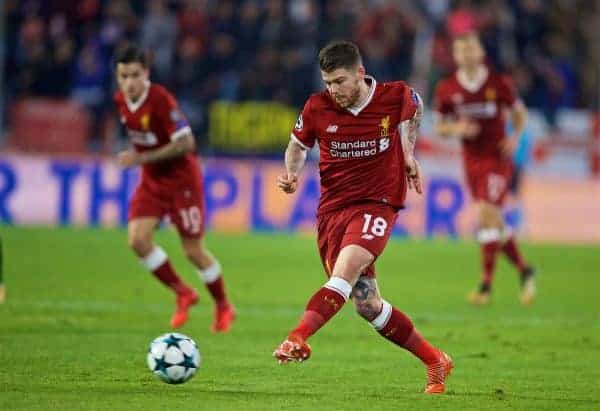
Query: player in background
{"x":171,"y":185}
{"x":366,"y":132}
{"x":471,"y":105}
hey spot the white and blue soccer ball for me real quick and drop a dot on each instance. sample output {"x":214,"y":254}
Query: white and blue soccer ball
{"x":173,"y":357}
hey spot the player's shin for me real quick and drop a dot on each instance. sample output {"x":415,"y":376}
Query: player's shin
{"x":322,"y":306}
{"x":396,"y":327}
{"x":510,"y":248}
{"x":489,"y":239}
{"x":158,"y":263}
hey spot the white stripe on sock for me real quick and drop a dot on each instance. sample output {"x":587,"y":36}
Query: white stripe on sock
{"x":488,"y":235}
{"x":340,"y":286}
{"x":384,"y":316}
{"x":155,"y":259}
{"x":211,"y":274}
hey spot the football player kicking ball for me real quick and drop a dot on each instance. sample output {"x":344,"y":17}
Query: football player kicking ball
{"x":366,"y":133}
{"x":471,"y":105}
{"x":171,"y":185}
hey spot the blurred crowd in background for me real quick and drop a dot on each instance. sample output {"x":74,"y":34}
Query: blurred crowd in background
{"x":209,"y":50}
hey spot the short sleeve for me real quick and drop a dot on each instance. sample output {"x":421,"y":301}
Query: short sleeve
{"x":441,"y":102}
{"x":172,"y":119}
{"x":410,"y":103}
{"x":506,"y":91}
{"x":304,"y":131}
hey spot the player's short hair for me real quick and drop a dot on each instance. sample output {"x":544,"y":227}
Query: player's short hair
{"x":131,"y":54}
{"x":339,"y":54}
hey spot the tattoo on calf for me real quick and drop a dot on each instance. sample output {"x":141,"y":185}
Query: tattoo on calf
{"x":366,"y":298}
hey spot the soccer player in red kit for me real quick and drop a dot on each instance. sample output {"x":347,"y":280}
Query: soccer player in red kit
{"x":366,"y":132}
{"x":471,"y":105}
{"x":171,"y":185}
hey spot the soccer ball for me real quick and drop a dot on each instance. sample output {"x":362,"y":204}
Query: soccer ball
{"x":173,"y":357}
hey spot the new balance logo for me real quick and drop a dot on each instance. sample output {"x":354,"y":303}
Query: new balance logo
{"x":332,"y":128}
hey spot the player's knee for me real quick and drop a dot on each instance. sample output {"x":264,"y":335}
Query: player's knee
{"x":489,"y":215}
{"x":192,"y":249}
{"x":140,"y":243}
{"x":352,"y":261}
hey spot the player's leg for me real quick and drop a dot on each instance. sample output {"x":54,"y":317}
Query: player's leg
{"x":396,"y":327}
{"x":209,"y":271}
{"x":155,"y":259}
{"x":349,"y":241}
{"x":326,"y":302}
{"x":489,"y":237}
{"x":510,"y":247}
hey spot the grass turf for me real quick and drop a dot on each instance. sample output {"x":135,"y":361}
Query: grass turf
{"x":81,"y":311}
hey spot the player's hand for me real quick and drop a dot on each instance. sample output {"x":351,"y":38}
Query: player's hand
{"x":414,"y":176}
{"x":509,"y":146}
{"x":287,"y":182}
{"x":467,"y":129}
{"x":128,"y":158}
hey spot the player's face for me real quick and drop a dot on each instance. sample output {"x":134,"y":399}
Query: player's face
{"x":467,"y":51}
{"x":344,"y":85}
{"x":132,"y":78}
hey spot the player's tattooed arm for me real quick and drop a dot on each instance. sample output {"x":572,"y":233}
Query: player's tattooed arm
{"x":409,"y":129}
{"x":295,"y":157}
{"x":176,"y":148}
{"x":366,"y":298}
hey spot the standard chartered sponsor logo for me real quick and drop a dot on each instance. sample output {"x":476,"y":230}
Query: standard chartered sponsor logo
{"x":478,"y":110}
{"x":143,"y":138}
{"x":358,"y":148}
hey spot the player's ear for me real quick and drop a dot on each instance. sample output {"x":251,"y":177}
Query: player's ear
{"x":361,"y":71}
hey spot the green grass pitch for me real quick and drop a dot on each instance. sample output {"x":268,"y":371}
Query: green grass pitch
{"x":81,"y":311}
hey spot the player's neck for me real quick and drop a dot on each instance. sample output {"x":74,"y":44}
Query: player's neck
{"x":472,"y":73}
{"x":363,"y":95}
{"x":473,"y":78}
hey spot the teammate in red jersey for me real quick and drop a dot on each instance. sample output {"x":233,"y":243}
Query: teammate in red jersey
{"x":471,"y":106}
{"x":171,"y":185}
{"x":366,"y":132}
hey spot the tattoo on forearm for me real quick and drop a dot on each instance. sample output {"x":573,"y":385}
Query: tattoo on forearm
{"x":295,"y":157}
{"x":409,"y":129}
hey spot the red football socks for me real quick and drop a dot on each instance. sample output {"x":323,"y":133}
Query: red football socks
{"x":158,"y":263}
{"x":217,"y":291}
{"x":213,"y":280}
{"x":395,"y":326}
{"x":322,"y":306}
{"x":511,"y":250}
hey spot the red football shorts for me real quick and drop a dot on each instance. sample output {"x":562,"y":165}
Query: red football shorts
{"x":368,"y":225}
{"x":183,"y":204}
{"x":489,"y":179}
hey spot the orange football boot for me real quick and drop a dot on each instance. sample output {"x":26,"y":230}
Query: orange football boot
{"x":292,"y":349}
{"x":184,"y":301}
{"x":224,"y":317}
{"x":437,"y":374}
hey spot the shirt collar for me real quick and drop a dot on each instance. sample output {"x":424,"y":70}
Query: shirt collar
{"x":357,"y":109}
{"x":133,"y":106}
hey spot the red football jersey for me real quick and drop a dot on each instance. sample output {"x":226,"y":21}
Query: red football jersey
{"x":360,"y":150}
{"x":483,"y":102}
{"x":152,"y":122}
